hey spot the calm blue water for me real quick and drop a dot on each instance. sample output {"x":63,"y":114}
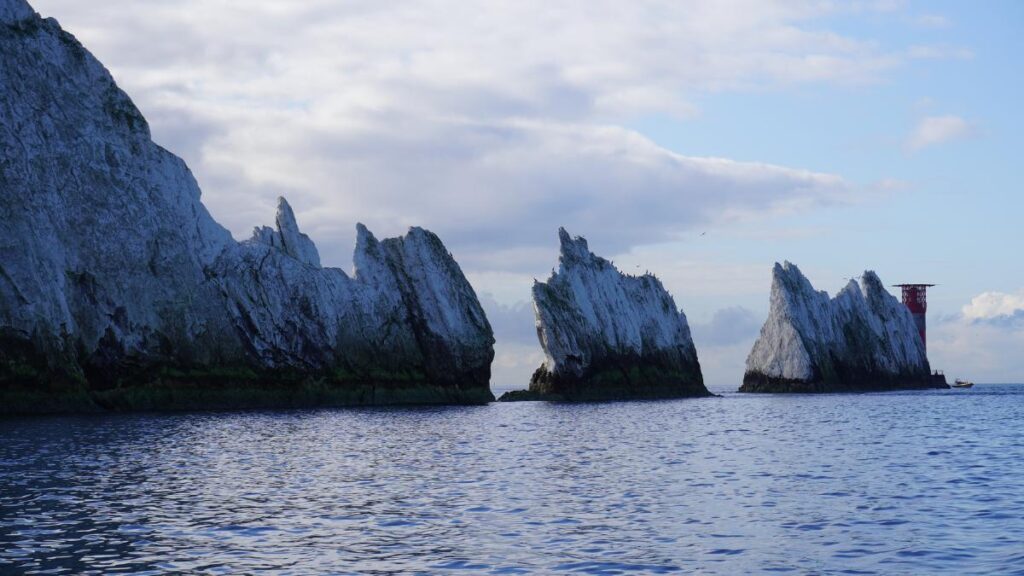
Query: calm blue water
{"x":922,"y":482}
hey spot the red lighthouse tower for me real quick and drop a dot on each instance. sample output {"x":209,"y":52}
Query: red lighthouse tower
{"x":915,"y":297}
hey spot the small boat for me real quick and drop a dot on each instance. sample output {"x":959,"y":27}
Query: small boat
{"x":962,"y":383}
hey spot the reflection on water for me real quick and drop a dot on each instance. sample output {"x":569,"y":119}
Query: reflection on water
{"x":919,"y":482}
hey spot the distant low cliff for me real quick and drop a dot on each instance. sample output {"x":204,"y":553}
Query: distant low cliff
{"x":863,"y":339}
{"x":119,"y":291}
{"x":607,"y":335}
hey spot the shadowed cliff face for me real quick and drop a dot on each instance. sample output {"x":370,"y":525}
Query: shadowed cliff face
{"x":14,"y":10}
{"x":863,"y":339}
{"x":608,"y":335}
{"x":114,"y":276}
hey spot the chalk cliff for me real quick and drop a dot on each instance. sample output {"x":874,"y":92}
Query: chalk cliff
{"x":607,"y":335}
{"x":863,"y":339}
{"x":118,"y":289}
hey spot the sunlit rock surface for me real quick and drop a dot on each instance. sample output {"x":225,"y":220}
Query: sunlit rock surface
{"x":607,"y":335}
{"x":118,"y":290}
{"x":863,"y":339}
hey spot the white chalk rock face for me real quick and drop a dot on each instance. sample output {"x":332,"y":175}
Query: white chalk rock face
{"x":287,"y":237}
{"x":609,"y":335}
{"x":114,"y":277}
{"x":863,"y":339}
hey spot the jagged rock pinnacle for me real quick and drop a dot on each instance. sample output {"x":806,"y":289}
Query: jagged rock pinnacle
{"x":863,"y":339}
{"x":607,"y":335}
{"x":296,"y":244}
{"x":112,"y":270}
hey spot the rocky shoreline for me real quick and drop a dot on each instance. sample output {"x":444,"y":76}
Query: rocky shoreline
{"x":761,"y":384}
{"x":191,"y":393}
{"x":632,"y":379}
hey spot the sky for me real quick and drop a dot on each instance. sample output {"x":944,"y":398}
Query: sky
{"x":700,"y":141}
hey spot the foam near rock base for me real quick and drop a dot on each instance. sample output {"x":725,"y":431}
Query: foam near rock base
{"x":607,"y":335}
{"x":118,"y":289}
{"x":863,"y":339}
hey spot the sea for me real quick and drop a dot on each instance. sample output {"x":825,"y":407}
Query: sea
{"x":924,"y":482}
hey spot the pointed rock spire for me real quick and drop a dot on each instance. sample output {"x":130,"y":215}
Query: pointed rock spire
{"x":862,"y":339}
{"x":367,"y":258}
{"x":572,"y":250}
{"x":295,"y":243}
{"x":607,"y":335}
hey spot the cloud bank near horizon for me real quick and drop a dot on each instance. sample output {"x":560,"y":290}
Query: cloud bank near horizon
{"x":994,"y":306}
{"x":982,"y":351}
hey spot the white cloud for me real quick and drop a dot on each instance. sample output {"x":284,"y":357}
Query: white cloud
{"x":497,"y":191}
{"x":489,"y":124}
{"x":723,"y":366}
{"x":993,"y":305}
{"x":980,"y":350}
{"x":935,"y":21}
{"x":728,"y":326}
{"x":511,"y":322}
{"x":723,"y":345}
{"x":935,"y":130}
{"x":514,"y":364}
{"x":984,"y":341}
{"x":939,"y":52}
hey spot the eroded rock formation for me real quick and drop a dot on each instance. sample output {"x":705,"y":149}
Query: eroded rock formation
{"x":118,"y":289}
{"x":607,"y":335}
{"x":863,"y":339}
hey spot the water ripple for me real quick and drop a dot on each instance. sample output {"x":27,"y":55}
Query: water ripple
{"x":923,"y":482}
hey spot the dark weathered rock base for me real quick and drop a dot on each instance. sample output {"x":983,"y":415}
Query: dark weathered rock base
{"x":625,"y":379}
{"x":30,"y":383}
{"x":528,"y":396}
{"x":760,"y":383}
{"x":181,"y":395}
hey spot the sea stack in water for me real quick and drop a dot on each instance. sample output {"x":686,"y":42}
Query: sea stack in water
{"x":864,"y":339}
{"x":118,"y":290}
{"x":607,"y":335}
